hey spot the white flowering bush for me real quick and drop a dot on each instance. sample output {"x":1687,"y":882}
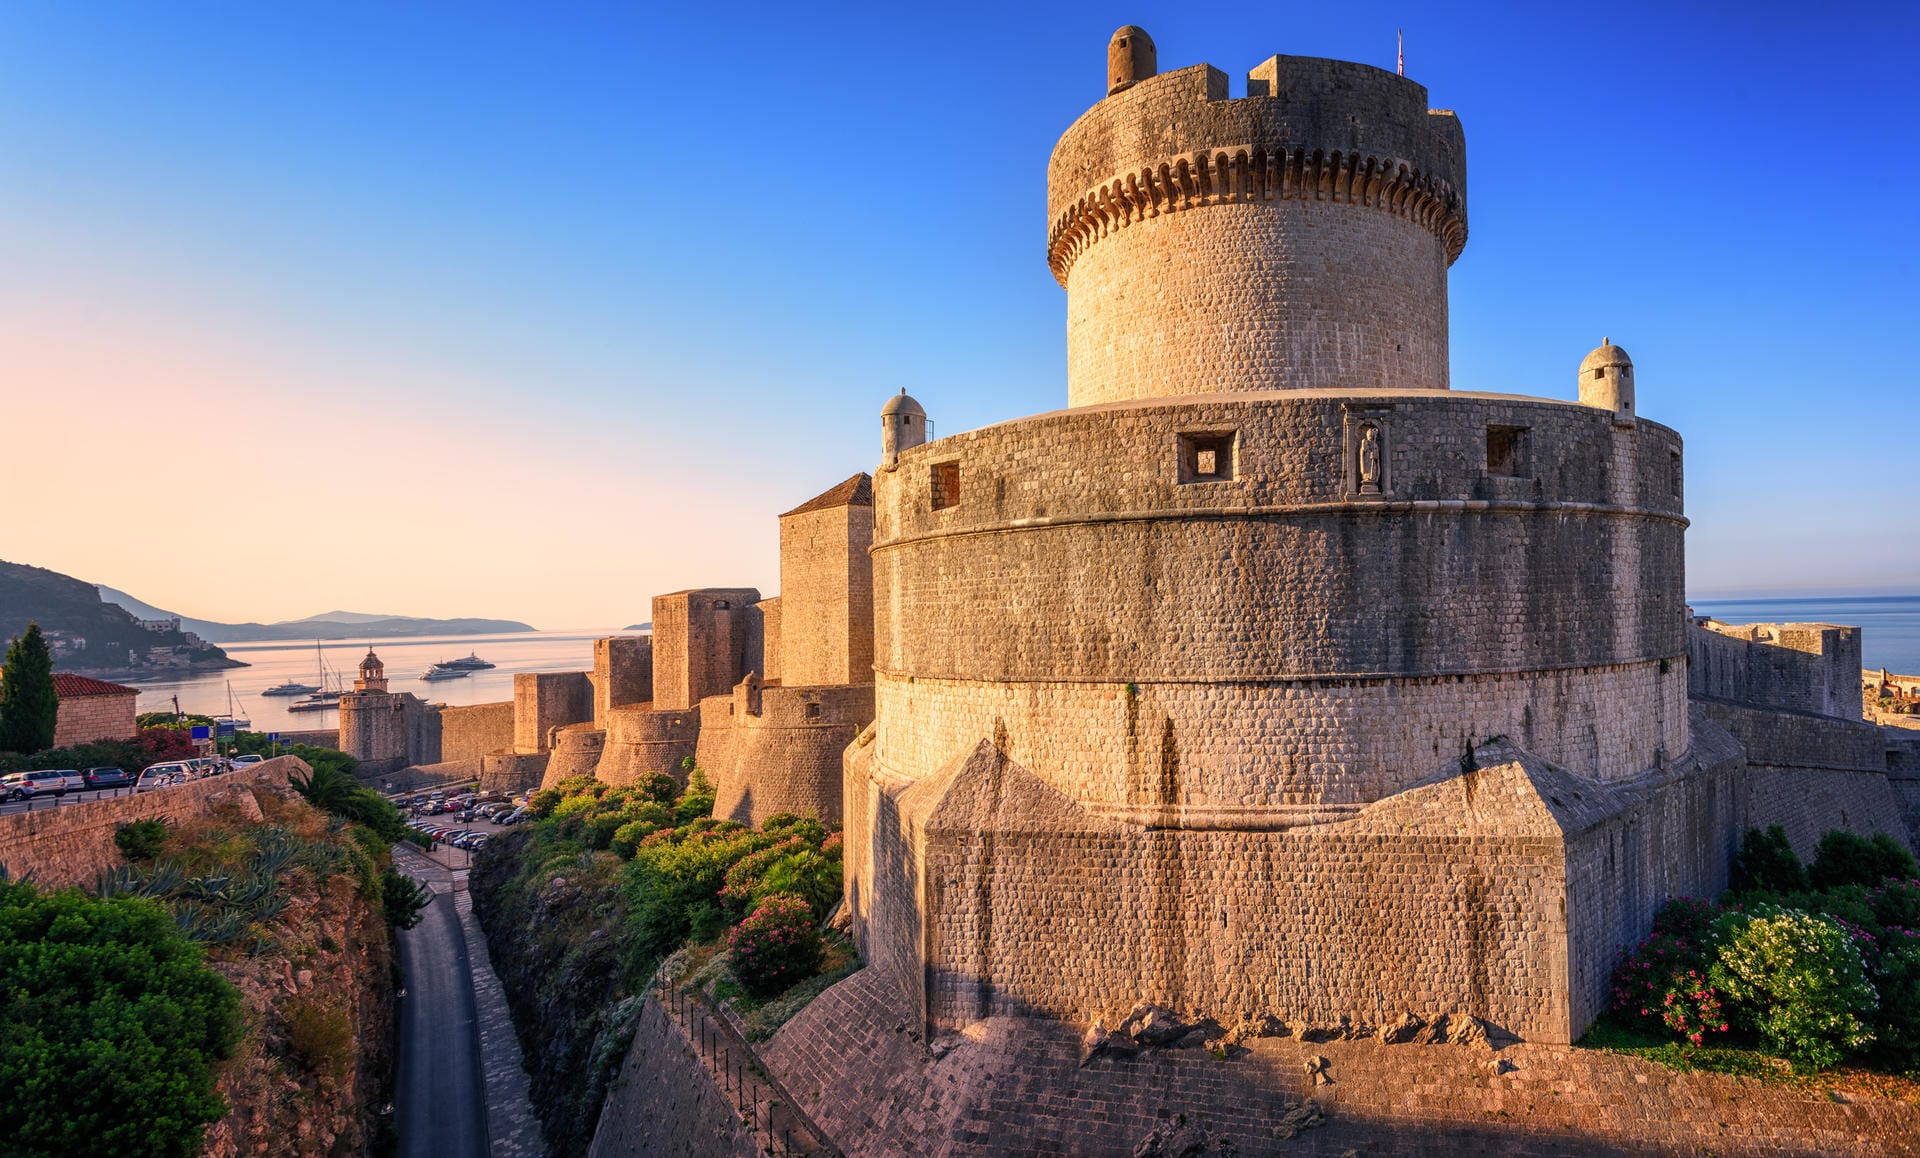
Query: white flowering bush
{"x":1799,"y":981}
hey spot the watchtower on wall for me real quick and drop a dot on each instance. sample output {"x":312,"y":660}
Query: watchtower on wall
{"x":1296,"y":238}
{"x":1244,"y":612}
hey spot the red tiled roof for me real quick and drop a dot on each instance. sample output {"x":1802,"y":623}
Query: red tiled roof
{"x":855,"y":492}
{"x":72,"y":687}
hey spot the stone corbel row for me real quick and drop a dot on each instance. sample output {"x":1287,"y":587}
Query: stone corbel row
{"x":1247,"y":173}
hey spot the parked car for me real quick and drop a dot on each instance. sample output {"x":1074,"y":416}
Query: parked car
{"x":16,"y":786}
{"x":57,"y":781}
{"x":106,"y":778}
{"x":164,"y":775}
{"x":246,"y":761}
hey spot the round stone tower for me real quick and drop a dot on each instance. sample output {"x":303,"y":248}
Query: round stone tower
{"x":1217,"y":649}
{"x":1298,"y":237}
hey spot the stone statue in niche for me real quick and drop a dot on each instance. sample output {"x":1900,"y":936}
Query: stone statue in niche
{"x":1369,"y":456}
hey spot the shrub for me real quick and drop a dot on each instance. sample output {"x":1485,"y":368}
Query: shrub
{"x":1896,"y":904}
{"x":655,"y":786}
{"x":1645,"y":975}
{"x":114,"y":1019}
{"x":1845,"y":858}
{"x":141,"y":839}
{"x":697,"y":802}
{"x":1800,"y":983}
{"x":321,"y":1038}
{"x":1691,"y":1007}
{"x":775,"y":946}
{"x":1897,"y":977}
{"x":676,"y":870}
{"x":542,"y":803}
{"x":404,"y":899}
{"x":1766,"y":861}
{"x":338,"y":794}
{"x":628,"y":836}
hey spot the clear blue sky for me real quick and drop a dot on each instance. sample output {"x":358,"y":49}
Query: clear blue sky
{"x":537,"y":310}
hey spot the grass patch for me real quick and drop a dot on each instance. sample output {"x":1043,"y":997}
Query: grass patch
{"x":1611,"y":1037}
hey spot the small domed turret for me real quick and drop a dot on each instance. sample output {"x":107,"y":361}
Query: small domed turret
{"x":903,"y":426}
{"x":1606,"y":381}
{"x":1131,"y":58}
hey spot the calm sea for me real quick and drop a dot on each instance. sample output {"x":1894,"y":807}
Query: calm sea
{"x":278,"y":661}
{"x":1890,"y":624}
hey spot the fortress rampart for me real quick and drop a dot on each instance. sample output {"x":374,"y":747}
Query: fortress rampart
{"x":777,"y":749}
{"x":1209,"y":646}
{"x":1800,"y":667}
{"x":1297,"y":237}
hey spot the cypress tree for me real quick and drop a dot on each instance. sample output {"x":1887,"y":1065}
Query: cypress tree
{"x":29,"y":707}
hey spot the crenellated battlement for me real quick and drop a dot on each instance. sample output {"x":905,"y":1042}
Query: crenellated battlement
{"x":1248,"y":173}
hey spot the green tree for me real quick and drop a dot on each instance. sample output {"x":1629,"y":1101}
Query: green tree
{"x":113,"y":1025}
{"x":29,"y":707}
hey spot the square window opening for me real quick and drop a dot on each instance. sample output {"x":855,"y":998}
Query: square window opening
{"x":813,"y":711}
{"x":1206,"y":457}
{"x":945,"y":485}
{"x":1673,"y":472}
{"x":1507,"y":451}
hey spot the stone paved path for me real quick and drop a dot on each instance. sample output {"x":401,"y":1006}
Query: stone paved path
{"x":511,"y":1123}
{"x":513,"y":1130}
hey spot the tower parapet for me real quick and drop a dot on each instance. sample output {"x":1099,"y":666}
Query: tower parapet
{"x":1298,"y":237}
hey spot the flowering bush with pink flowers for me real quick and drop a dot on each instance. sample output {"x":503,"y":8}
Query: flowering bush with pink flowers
{"x":1691,"y":1007}
{"x":776,"y":945}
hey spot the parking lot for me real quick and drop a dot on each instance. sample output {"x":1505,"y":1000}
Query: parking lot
{"x":458,"y":820}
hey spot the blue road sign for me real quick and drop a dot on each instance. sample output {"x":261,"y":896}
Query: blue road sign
{"x":202,"y":732}
{"x":273,"y":737}
{"x":226,"y":727}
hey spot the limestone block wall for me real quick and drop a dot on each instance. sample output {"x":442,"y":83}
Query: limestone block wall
{"x":543,"y":701}
{"x":576,"y":752}
{"x":83,"y":719}
{"x":644,"y":740}
{"x":783,"y":756}
{"x":509,"y":771}
{"x":664,"y":1102}
{"x":68,"y":845}
{"x":704,"y":641}
{"x":1903,"y":776}
{"x":468,"y":733}
{"x":622,"y":673}
{"x":992,"y":894}
{"x":1298,"y":237}
{"x":1241,"y":641}
{"x":770,"y":638}
{"x":826,"y":609}
{"x":1802,"y":667}
{"x":1811,"y":774}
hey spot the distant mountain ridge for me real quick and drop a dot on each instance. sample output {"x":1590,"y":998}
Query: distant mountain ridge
{"x":95,"y":636}
{"x":326,"y":625}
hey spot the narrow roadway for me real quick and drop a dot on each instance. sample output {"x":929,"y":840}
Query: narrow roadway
{"x":440,"y":1103}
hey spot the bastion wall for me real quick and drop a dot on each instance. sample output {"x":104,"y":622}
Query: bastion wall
{"x":576,"y":751}
{"x":543,"y":701}
{"x":778,"y":749}
{"x":643,"y":740}
{"x":1234,"y":642}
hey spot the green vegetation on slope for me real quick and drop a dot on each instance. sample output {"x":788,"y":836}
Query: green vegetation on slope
{"x":582,"y":905}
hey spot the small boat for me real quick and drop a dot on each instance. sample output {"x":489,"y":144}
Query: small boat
{"x":315,"y":704}
{"x":473,"y":662}
{"x":233,"y":717}
{"x":436,"y":674}
{"x":290,"y":689}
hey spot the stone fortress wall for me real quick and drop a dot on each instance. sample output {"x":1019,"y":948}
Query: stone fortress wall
{"x":1801,"y":667}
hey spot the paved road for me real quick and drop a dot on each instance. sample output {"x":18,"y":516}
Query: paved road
{"x":440,"y":1103}
{"x":45,"y":800}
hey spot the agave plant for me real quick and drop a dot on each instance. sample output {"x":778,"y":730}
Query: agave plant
{"x":121,"y":880}
{"x":270,"y":907}
{"x":276,"y":848}
{"x":210,"y":889}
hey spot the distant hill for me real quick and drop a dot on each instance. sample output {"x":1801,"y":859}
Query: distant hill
{"x":326,"y":625}
{"x":90,"y":635}
{"x":638,"y":627}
